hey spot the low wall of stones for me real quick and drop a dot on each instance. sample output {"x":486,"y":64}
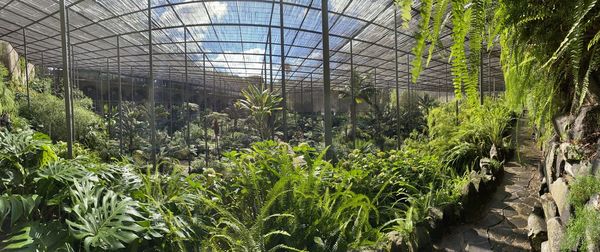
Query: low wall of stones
{"x":474,"y":194}
{"x":563,"y":163}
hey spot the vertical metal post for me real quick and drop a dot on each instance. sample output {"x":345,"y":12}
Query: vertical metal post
{"x":270,"y":61}
{"x":214,"y":93}
{"x":43,"y":72}
{"x":312,"y":101}
{"x":375,"y":85}
{"x":326,"y":80}
{"x":352,"y":97}
{"x":66,"y":77}
{"x":110,"y":114}
{"x":408,"y":90}
{"x":205,"y":107}
{"x":301,"y":96}
{"x":489,"y":75}
{"x":171,"y":113}
{"x":494,"y":84}
{"x":398,"y":128}
{"x":283,"y":88}
{"x":151,"y":87}
{"x":101,"y":94}
{"x":132,"y":82}
{"x":26,"y":69}
{"x":120,"y":95}
{"x":446,"y":80}
{"x":187,"y":102}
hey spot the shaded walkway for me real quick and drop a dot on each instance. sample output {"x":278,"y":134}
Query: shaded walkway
{"x":502,"y":224}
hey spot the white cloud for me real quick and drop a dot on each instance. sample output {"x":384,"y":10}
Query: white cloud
{"x":251,"y":62}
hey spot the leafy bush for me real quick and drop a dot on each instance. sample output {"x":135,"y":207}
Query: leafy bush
{"x":584,"y":229}
{"x":47,"y":114}
{"x":462,"y":137}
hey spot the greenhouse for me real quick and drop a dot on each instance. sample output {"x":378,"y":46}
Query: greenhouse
{"x":299,"y":125}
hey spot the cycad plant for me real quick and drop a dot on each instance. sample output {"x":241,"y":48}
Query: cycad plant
{"x":261,"y":104}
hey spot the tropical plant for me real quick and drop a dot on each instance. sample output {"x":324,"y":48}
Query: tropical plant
{"x":261,"y":104}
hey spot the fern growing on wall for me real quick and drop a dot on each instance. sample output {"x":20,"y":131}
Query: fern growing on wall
{"x":550,"y":55}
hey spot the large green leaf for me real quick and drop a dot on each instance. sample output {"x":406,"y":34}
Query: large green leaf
{"x":101,"y":217}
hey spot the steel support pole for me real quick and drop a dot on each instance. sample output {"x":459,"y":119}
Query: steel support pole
{"x":283,"y":88}
{"x":206,"y":150}
{"x":26,"y":70}
{"x":120,"y":95}
{"x":214,"y":92}
{"x":398,"y":126}
{"x":446,"y":80}
{"x":43,"y":72}
{"x":187,"y":102}
{"x":170,"y":88}
{"x":132,"y":80}
{"x":326,"y":80}
{"x":110,"y":113}
{"x":312,"y":99}
{"x":270,"y":61}
{"x":66,"y":77}
{"x":301,"y":96}
{"x":151,"y":87}
{"x":489,"y":76}
{"x":375,"y":85}
{"x":352,"y":98}
{"x":101,"y":94}
{"x":408,"y":89}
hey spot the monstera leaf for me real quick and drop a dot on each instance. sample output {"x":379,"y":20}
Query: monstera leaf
{"x":102,"y":218}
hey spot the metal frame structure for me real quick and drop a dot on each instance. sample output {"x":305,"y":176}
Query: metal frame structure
{"x":232,"y":40}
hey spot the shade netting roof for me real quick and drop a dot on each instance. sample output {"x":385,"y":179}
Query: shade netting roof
{"x":234,"y":36}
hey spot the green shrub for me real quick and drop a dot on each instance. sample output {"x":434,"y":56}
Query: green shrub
{"x":584,"y":228}
{"x":47,"y":114}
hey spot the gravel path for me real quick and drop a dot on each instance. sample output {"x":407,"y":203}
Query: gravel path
{"x":502,"y":224}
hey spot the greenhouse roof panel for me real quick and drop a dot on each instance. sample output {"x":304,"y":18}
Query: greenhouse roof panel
{"x":234,"y":34}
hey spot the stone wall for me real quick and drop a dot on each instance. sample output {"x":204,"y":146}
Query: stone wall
{"x":573,"y":153}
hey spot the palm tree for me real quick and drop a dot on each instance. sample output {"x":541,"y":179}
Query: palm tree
{"x":426,"y":103}
{"x":260,"y":103}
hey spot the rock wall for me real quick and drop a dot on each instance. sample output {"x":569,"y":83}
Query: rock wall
{"x":573,"y":153}
{"x":10,"y":59}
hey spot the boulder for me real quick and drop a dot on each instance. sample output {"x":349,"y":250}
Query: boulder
{"x":594,"y":202}
{"x":559,"y":164}
{"x":555,"y":233}
{"x":396,"y":242}
{"x":549,"y":163}
{"x":571,"y":152}
{"x":537,"y":229}
{"x":579,"y":169}
{"x":494,"y":152}
{"x":435,"y":223}
{"x":548,"y":206}
{"x":586,"y":123}
{"x":560,"y":194}
{"x":595,"y":167}
{"x":561,"y":126}
{"x":423,"y":242}
{"x":545,"y":247}
{"x":10,"y":58}
{"x":468,"y":193}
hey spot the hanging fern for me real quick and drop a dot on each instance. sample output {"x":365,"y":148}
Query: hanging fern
{"x":421,"y":36}
{"x":405,"y":11}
